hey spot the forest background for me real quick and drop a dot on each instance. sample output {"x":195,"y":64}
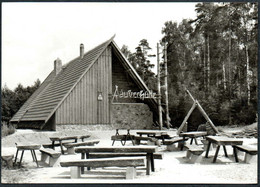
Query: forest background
{"x":214,"y":56}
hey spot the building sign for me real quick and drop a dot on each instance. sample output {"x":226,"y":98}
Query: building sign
{"x":129,"y":94}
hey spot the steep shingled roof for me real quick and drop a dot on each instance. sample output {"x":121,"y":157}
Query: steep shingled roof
{"x":47,"y":98}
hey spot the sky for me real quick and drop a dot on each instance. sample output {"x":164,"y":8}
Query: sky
{"x":35,"y":34}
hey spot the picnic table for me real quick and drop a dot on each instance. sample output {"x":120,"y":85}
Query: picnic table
{"x":222,"y":141}
{"x":27,"y":147}
{"x":123,"y":137}
{"x":61,"y":139}
{"x":149,"y":150}
{"x":193,"y":135}
{"x":154,"y":133}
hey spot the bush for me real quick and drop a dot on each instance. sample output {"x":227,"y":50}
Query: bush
{"x":7,"y":129}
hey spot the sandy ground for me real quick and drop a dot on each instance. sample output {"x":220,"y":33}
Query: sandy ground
{"x":173,"y":168}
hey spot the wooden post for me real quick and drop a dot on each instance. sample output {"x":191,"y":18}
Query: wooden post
{"x":203,"y":112}
{"x":186,"y":117}
{"x":159,"y":88}
{"x":166,"y":87}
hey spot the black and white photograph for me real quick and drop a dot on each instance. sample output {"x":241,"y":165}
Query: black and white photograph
{"x":129,"y":93}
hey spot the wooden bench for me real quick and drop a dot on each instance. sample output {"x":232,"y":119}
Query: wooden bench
{"x":71,"y":146}
{"x":54,"y":156}
{"x":194,"y":153}
{"x":82,"y":137}
{"x":130,"y":163}
{"x":8,"y":159}
{"x":250,"y":152}
{"x":111,"y":155}
{"x":171,"y":143}
{"x":150,"y":140}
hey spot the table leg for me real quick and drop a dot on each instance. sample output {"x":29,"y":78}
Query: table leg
{"x":16,"y":156}
{"x":32,"y":155}
{"x":148,"y":164}
{"x":133,"y":142}
{"x":123,"y":143}
{"x":152,"y":162}
{"x":235,"y":153}
{"x":208,"y":148}
{"x":87,"y":157}
{"x":195,"y":141}
{"x":53,"y":146}
{"x":225,"y":151}
{"x":183,"y":141}
{"x":61,"y":148}
{"x":21,"y":158}
{"x":191,"y":141}
{"x":33,"y":151}
{"x":113,"y":142}
{"x":162,"y":139}
{"x":82,"y":157}
{"x":216,"y":154}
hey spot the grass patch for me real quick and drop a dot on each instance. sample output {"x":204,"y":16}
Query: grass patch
{"x":15,"y":175}
{"x":7,"y":129}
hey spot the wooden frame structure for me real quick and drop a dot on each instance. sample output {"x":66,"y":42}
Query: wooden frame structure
{"x":196,"y":104}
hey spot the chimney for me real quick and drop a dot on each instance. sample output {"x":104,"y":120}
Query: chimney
{"x":81,"y":51}
{"x":57,"y":66}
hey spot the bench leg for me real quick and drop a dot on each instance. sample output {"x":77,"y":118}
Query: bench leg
{"x":54,"y":162}
{"x":71,"y":150}
{"x":44,"y":157}
{"x":75,"y":172}
{"x":9,"y":163}
{"x":137,"y":142}
{"x":195,"y":158}
{"x":130,"y":172}
{"x":188,"y":154}
{"x":249,"y":158}
{"x":171,"y":147}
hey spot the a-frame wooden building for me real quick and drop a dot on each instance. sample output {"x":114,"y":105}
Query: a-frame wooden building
{"x":82,"y":92}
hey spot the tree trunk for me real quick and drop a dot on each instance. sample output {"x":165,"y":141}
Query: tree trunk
{"x":229,"y":62}
{"x":208,"y":66}
{"x":247,"y":76}
{"x":205,"y":67}
{"x":224,"y":75}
